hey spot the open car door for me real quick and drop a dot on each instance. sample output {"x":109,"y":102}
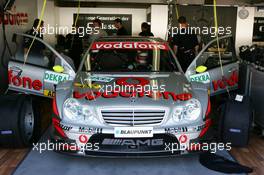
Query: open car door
{"x":42,"y":69}
{"x":206,"y":67}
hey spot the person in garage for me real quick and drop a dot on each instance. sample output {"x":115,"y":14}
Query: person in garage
{"x":185,"y":44}
{"x":34,"y":31}
{"x":145,"y":30}
{"x":74,"y":45}
{"x":121,"y":30}
{"x":97,"y":30}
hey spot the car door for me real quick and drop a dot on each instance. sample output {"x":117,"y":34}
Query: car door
{"x":206,"y":67}
{"x":36,"y":74}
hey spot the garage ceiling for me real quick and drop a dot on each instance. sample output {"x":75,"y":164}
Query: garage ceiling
{"x":146,"y":3}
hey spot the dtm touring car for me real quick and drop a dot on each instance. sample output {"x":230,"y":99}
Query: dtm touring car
{"x":129,"y":96}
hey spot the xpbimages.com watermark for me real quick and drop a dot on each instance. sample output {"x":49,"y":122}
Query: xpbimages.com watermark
{"x":212,"y":31}
{"x":64,"y":30}
{"x":147,"y":89}
{"x":50,"y":146}
{"x":41,"y":147}
{"x":89,"y":29}
{"x":211,"y":147}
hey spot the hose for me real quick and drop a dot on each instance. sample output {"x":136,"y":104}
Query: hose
{"x":78,"y":13}
{"x":218,"y":44}
{"x":75,"y":22}
{"x":40,"y":19}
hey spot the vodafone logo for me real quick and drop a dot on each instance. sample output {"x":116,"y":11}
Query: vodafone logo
{"x":13,"y":18}
{"x":83,"y":138}
{"x":24,"y":82}
{"x":183,"y":138}
{"x":129,"y":45}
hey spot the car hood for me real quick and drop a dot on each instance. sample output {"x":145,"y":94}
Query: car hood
{"x":87,"y":91}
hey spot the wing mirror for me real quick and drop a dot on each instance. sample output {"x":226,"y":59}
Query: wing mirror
{"x":201,"y":69}
{"x":58,"y":69}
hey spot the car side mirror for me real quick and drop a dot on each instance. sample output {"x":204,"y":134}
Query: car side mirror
{"x":201,"y":69}
{"x":58,"y":69}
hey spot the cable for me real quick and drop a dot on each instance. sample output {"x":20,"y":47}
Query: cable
{"x":218,"y":45}
{"x":78,"y":13}
{"x":177,"y":10}
{"x":76,"y":20}
{"x":7,"y":3}
{"x":40,"y":20}
{"x":170,"y":19}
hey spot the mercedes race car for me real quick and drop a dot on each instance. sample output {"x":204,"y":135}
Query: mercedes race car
{"x":129,"y":96}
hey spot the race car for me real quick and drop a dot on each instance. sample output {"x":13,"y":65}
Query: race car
{"x":129,"y":98}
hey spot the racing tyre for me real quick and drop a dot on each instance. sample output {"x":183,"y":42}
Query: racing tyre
{"x":19,"y":121}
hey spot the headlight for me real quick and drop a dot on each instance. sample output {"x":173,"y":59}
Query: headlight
{"x":73,"y":110}
{"x":189,"y":112}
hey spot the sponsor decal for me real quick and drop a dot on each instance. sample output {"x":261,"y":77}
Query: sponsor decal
{"x":131,"y":92}
{"x":49,"y":93}
{"x":92,"y":95}
{"x":133,"y":142}
{"x":99,"y":79}
{"x":92,"y":86}
{"x":83,"y":138}
{"x":224,"y":82}
{"x":6,"y":132}
{"x":184,"y":129}
{"x":239,"y":98}
{"x":129,"y":45}
{"x":65,"y":127}
{"x":55,"y":78}
{"x":24,"y":82}
{"x":176,"y":130}
{"x":90,"y":130}
{"x":133,"y":132}
{"x":199,"y":128}
{"x":202,"y":78}
{"x":141,"y":82}
{"x":183,"y":138}
{"x":234,"y":130}
{"x":16,"y":70}
{"x":12,"y":17}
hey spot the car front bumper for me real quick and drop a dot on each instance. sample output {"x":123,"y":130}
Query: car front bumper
{"x":100,"y":142}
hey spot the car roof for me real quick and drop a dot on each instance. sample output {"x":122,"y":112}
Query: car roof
{"x":129,"y":39}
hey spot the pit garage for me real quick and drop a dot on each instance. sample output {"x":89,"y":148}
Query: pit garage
{"x":134,"y":87}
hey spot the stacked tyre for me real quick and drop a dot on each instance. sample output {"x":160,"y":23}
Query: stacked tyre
{"x":19,"y":121}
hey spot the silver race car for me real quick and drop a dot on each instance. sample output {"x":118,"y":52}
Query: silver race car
{"x":129,"y":96}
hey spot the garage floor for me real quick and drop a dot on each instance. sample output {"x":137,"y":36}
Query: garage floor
{"x":10,"y":159}
{"x":252,"y":156}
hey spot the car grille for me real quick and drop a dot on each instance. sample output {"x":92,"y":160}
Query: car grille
{"x":130,"y":117}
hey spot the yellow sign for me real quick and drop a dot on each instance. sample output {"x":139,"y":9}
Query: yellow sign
{"x":201,"y":69}
{"x":58,"y":69}
{"x":49,"y":93}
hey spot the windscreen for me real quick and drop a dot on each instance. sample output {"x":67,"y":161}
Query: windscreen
{"x":130,"y":57}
